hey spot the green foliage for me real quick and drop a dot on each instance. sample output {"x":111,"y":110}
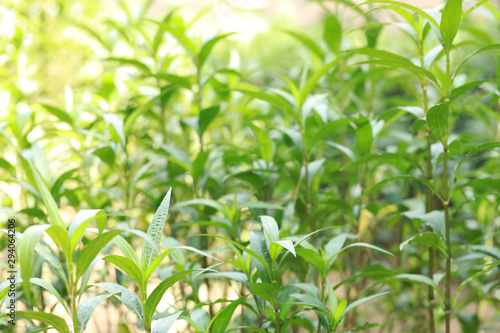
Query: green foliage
{"x":199,"y":179}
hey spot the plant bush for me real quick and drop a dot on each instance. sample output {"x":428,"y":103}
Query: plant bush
{"x":295,"y":176}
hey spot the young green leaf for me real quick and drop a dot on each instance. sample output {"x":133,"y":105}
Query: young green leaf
{"x":30,"y":239}
{"x":86,"y":309}
{"x":437,"y":120}
{"x":47,"y":286}
{"x":126,"y":265}
{"x":80,"y":222}
{"x":429,"y":239}
{"x":125,"y":296}
{"x":358,"y":302}
{"x":53,"y":320}
{"x":155,"y":231}
{"x":164,"y":324}
{"x":208,"y":46}
{"x":222,"y":319}
{"x":266,"y":149}
{"x":271,"y":229}
{"x":332,"y":33}
{"x":49,"y":202}
{"x":206,"y":117}
{"x":267,"y":291}
{"x":450,"y":21}
{"x":157,"y":294}
{"x":92,"y":249}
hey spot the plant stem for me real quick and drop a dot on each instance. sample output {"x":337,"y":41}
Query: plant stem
{"x":430,"y":177}
{"x":447,"y":302}
{"x":277,"y":315}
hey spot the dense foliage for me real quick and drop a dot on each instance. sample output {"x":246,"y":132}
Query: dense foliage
{"x":295,"y":176}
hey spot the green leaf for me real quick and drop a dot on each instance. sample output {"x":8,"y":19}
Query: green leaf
{"x":208,"y":46}
{"x":206,"y":117}
{"x":364,"y":135}
{"x":418,"y":278}
{"x":49,"y":202}
{"x":30,"y":239}
{"x":184,"y":82}
{"x":200,"y":318}
{"x":222,"y":319}
{"x":391,"y":179}
{"x":131,"y":119}
{"x":340,"y":310}
{"x":181,"y":38}
{"x":130,"y":62}
{"x":308,"y":42}
{"x":437,"y":120}
{"x":270,"y":228}
{"x":164,"y":324}
{"x":266,"y":291}
{"x":450,"y":21}
{"x":80,"y":222}
{"x":127,"y":250}
{"x":332,"y":33}
{"x":125,"y":296}
{"x":334,"y":246}
{"x":106,"y":154}
{"x":405,"y":65}
{"x":47,"y":286}
{"x":435,"y":220}
{"x":380,"y":54}
{"x":155,"y":263}
{"x":157,"y":294}
{"x":358,"y":302}
{"x":92,"y":249}
{"x":53,"y":263}
{"x":332,"y":298}
{"x":86,"y":309}
{"x":179,"y":157}
{"x":155,"y":231}
{"x":4,"y":164}
{"x":311,"y":83}
{"x":406,"y":6}
{"x":373,"y":247}
{"x":56,"y":322}
{"x":86,"y":276}
{"x":60,"y":114}
{"x":488,"y":47}
{"x":392,"y":158}
{"x":474,"y":151}
{"x":200,"y":201}
{"x":287,"y":244}
{"x":266,"y":149}
{"x":126,"y":265}
{"x":275,"y":100}
{"x":264,"y":261}
{"x":311,"y":301}
{"x":428,"y":239}
{"x":116,"y":128}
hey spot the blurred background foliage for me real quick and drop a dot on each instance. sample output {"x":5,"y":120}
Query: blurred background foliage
{"x":114,"y":102}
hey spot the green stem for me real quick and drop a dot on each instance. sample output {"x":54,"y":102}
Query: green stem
{"x":430,"y":177}
{"x":447,"y":302}
{"x":277,"y":315}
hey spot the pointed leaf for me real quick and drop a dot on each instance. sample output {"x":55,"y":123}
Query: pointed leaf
{"x":92,"y":249}
{"x":450,"y":21}
{"x":166,"y":323}
{"x":437,"y":120}
{"x":157,"y":294}
{"x":332,"y":33}
{"x":155,"y":230}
